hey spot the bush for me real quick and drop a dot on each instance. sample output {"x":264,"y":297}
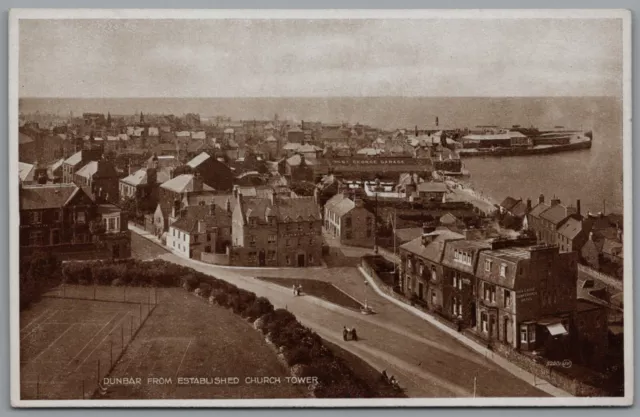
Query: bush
{"x":299,"y":355}
{"x":189,"y":282}
{"x":258,"y":308}
{"x":205,"y":289}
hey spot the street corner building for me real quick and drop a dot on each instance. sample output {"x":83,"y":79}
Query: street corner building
{"x":517,"y":296}
{"x":275,"y":231}
{"x":64,"y":220}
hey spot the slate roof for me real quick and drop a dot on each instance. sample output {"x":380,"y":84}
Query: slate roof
{"x":74,"y":159}
{"x":26,"y":171}
{"x":39,"y":197}
{"x":183,"y":183}
{"x":435,"y":249}
{"x":508,"y":203}
{"x":539,"y":209}
{"x":520,"y":209}
{"x":195,"y":162}
{"x":188,"y":221}
{"x":296,"y":160}
{"x":448,"y":218}
{"x":88,"y":170}
{"x":407,"y":234}
{"x":570,"y":228}
{"x":555,"y":214}
{"x":293,"y":208}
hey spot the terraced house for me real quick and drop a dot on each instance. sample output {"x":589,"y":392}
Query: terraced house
{"x":276,"y":231}
{"x":421,"y":270}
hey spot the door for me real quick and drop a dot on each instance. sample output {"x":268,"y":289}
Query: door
{"x":261,"y":258}
{"x":421,"y":290}
{"x":301,"y":259}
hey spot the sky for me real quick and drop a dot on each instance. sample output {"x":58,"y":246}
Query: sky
{"x":320,"y":58}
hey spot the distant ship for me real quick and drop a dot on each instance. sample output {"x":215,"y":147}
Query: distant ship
{"x":523,"y":141}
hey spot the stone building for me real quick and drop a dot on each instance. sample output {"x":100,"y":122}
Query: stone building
{"x":346,"y":219}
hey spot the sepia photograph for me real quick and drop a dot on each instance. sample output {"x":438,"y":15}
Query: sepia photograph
{"x":320,"y":208}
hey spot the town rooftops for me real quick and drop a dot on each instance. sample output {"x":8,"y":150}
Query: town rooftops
{"x":26,"y":171}
{"x":40,"y":197}
{"x":296,"y":160}
{"x":432,"y":187}
{"x":184,"y":183}
{"x":555,"y":214}
{"x":24,"y":138}
{"x":466,"y":250}
{"x":612,"y":247}
{"x":271,"y":139}
{"x":539,"y":209}
{"x":291,"y":146}
{"x":88,"y":170}
{"x":195,"y":162}
{"x":508,"y":203}
{"x":341,"y":206}
{"x":106,"y":169}
{"x":74,"y":159}
{"x":298,"y":208}
{"x":571,"y":228}
{"x":434,"y":250}
{"x":212,"y":215}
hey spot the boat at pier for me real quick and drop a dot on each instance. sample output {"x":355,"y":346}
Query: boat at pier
{"x":529,"y":141}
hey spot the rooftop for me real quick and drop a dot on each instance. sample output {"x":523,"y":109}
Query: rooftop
{"x":39,"y":197}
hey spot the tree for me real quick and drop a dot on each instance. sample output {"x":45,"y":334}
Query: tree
{"x":303,"y":188}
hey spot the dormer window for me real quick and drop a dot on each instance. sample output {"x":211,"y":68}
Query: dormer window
{"x":487,"y":265}
{"x":503,"y":270}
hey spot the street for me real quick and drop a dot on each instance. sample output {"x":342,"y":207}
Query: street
{"x":426,"y":361}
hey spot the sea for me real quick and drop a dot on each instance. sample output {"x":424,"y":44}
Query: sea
{"x":593,"y":176}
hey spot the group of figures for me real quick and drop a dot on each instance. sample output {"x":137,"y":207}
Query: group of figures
{"x":297,"y":289}
{"x":391,"y":380}
{"x":349,"y":334}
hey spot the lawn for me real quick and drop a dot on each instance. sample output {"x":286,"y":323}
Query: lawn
{"x":185,"y":337}
{"x":67,"y":344}
{"x":320,"y":289}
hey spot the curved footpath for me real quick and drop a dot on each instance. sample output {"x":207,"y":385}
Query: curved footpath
{"x":428,"y":360}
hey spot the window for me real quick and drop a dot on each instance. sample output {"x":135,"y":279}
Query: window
{"x":80,"y":217}
{"x":35,"y":238}
{"x":455,"y":280}
{"x":252,"y":256}
{"x":310,"y":259}
{"x":252,"y":240}
{"x":288,"y":243}
{"x":300,"y":227}
{"x":57,"y":216}
{"x":288,"y":259}
{"x":459,"y":283}
{"x":487,"y":265}
{"x":483,"y":322}
{"x":208,"y":237}
{"x":271,"y":239}
{"x":35,"y":217}
{"x":195,"y":238}
{"x":433,"y":297}
{"x":456,"y":255}
{"x":503,"y":270}
{"x":271,"y":255}
{"x":433,"y":273}
{"x":421,"y":268}
{"x":310,"y":241}
{"x":532,"y":334}
{"x":408,"y":264}
{"x":174,"y":232}
{"x":507,"y":298}
{"x":523,"y":335}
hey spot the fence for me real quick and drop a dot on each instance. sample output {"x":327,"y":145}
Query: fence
{"x":100,"y":337}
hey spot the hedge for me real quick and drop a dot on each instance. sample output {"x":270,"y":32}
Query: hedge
{"x":298,"y":344}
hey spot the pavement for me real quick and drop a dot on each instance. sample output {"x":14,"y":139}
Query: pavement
{"x":427,"y":360}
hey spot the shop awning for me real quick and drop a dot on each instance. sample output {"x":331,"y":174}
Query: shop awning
{"x":556,"y":329}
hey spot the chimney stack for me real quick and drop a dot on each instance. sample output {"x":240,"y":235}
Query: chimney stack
{"x":529,"y":205}
{"x":541,"y":199}
{"x":555,"y":201}
{"x":578,"y":209}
